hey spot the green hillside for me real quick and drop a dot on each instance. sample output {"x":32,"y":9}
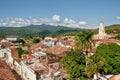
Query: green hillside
{"x":34,"y":29}
{"x":113,"y":28}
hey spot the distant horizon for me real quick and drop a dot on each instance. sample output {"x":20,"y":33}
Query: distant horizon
{"x":71,"y":13}
{"x":62,"y":25}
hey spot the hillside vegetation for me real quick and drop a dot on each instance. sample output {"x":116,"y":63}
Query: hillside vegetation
{"x":49,"y":29}
{"x":113,"y":28}
{"x":34,"y":29}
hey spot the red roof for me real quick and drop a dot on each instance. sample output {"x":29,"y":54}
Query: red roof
{"x":6,"y":43}
{"x":114,"y":77}
{"x":110,"y":41}
{"x":5,"y":72}
{"x":27,"y":56}
{"x":57,"y":49}
{"x":14,"y":54}
{"x":38,"y":45}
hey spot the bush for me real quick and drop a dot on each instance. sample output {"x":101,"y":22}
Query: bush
{"x":36,"y":40}
{"x":21,"y":52}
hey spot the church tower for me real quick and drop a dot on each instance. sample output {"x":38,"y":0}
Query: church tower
{"x":101,"y":29}
{"x":101,"y":33}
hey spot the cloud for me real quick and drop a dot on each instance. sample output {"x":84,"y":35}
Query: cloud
{"x":69,"y":23}
{"x":74,"y":24}
{"x":56,"y":17}
{"x":12,"y":22}
{"x":55,"y":20}
{"x":118,"y":17}
{"x":82,"y":23}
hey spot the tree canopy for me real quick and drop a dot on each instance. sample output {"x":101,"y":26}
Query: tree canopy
{"x":74,"y":63}
{"x":95,"y":64}
{"x":36,"y":40}
{"x":118,"y":36}
{"x":111,"y":53}
{"x":20,"y":41}
{"x":21,"y":52}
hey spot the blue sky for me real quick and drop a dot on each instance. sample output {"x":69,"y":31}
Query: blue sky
{"x":89,"y":12}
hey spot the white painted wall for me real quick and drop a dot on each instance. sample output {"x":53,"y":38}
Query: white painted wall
{"x":9,"y":58}
{"x":17,"y":67}
{"x":3,"y":52}
{"x":27,"y":73}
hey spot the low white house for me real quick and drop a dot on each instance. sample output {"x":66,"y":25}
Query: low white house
{"x":9,"y":58}
{"x":4,"y":52}
{"x":11,"y":39}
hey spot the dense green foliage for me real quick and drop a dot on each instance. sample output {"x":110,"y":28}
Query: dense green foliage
{"x":78,"y":65}
{"x":36,"y":40}
{"x":27,"y":44}
{"x":113,"y":28}
{"x":118,"y":36}
{"x":21,"y":52}
{"x":95,"y":64}
{"x":21,"y":41}
{"x":111,"y":53}
{"x":74,"y":63}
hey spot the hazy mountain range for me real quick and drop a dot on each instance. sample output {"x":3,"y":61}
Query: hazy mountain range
{"x":47,"y":29}
{"x":35,"y":29}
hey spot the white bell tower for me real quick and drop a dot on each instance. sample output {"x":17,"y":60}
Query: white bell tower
{"x":102,"y":29}
{"x":101,"y":33}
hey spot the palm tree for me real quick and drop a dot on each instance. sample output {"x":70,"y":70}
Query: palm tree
{"x":84,"y":41}
{"x":95,"y":64}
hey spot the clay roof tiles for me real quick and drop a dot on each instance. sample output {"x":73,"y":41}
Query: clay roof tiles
{"x":5,"y":72}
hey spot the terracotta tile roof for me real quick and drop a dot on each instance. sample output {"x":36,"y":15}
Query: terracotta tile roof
{"x":6,"y":43}
{"x":110,"y":41}
{"x":5,"y":72}
{"x":67,"y":42}
{"x":38,"y":45}
{"x":15,"y":54}
{"x":50,"y":40}
{"x":57,"y":49}
{"x":53,"y":59}
{"x":27,"y":56}
{"x":43,"y":69}
{"x":61,"y":55}
{"x":24,"y":57}
{"x":114,"y":77}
